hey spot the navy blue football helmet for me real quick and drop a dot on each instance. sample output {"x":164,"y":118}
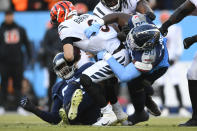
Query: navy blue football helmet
{"x":61,"y":67}
{"x":143,"y":37}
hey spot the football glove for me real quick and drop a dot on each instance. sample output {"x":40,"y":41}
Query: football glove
{"x":92,"y":30}
{"x":27,"y":104}
{"x":187,"y":42}
{"x":164,"y":28}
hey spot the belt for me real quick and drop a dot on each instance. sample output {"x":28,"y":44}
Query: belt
{"x":121,"y":46}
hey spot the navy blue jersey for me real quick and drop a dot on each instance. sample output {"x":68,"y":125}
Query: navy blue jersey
{"x":88,"y":112}
{"x":59,"y":88}
{"x":158,"y":56}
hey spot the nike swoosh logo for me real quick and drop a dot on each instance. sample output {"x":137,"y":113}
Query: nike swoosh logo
{"x":104,"y":124}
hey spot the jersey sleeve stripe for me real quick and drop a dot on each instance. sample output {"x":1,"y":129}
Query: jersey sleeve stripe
{"x":99,"y":10}
{"x":62,"y":27}
{"x":95,"y":14}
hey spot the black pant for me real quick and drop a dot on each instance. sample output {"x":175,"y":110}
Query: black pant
{"x":52,"y":80}
{"x":14,"y":72}
{"x":140,"y":88}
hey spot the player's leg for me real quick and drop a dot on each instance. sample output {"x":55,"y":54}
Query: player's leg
{"x":3,"y":90}
{"x":111,"y":89}
{"x":52,"y":80}
{"x":98,"y":72}
{"x":151,"y":78}
{"x":138,"y":94}
{"x":17,"y":75}
{"x":138,"y":98}
{"x":192,"y":84}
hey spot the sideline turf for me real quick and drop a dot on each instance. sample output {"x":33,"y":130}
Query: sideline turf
{"x":13,"y":122}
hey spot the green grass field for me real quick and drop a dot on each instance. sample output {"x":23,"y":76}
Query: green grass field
{"x":13,"y":122}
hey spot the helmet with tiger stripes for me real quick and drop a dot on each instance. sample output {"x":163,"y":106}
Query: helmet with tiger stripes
{"x":62,"y":11}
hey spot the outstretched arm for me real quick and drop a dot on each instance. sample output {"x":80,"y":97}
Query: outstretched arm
{"x":185,"y":9}
{"x":125,"y":74}
{"x":120,"y":18}
{"x":50,"y":117}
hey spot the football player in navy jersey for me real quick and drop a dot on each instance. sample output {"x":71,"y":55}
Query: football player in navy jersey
{"x":70,"y":102}
{"x":148,"y":53}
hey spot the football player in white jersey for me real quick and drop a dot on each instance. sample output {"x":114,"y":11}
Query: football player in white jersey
{"x":71,"y":30}
{"x":105,"y":7}
{"x":187,"y":8}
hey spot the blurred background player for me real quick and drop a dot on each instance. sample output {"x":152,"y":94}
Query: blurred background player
{"x":50,"y":46}
{"x":187,"y":8}
{"x":13,"y":38}
{"x":175,"y":49}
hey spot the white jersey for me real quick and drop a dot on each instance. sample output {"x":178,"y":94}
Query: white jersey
{"x":195,"y":3}
{"x":106,"y":39}
{"x":174,"y":42}
{"x":100,"y":10}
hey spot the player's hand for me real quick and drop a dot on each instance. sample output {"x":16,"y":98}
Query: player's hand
{"x":187,"y":42}
{"x":27,"y":104}
{"x":92,"y":30}
{"x":163,"y":31}
{"x":151,"y":15}
{"x":164,"y":28}
{"x":171,"y":62}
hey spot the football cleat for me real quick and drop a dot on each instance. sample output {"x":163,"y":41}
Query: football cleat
{"x":152,"y":107}
{"x":138,"y":117}
{"x":75,"y":101}
{"x":108,"y":118}
{"x":190,"y":122}
{"x":64,"y":116}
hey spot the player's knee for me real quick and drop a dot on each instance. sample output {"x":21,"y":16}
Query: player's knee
{"x":149,"y":90}
{"x":85,"y":81}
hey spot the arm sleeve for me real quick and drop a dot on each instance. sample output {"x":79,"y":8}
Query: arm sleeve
{"x":70,"y":40}
{"x":123,"y":73}
{"x":53,"y":116}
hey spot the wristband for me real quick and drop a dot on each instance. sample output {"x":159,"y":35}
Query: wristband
{"x":100,"y":21}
